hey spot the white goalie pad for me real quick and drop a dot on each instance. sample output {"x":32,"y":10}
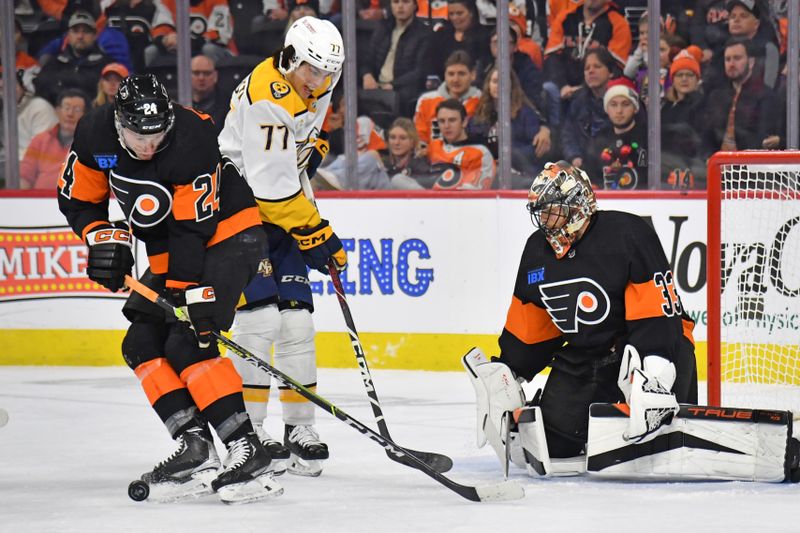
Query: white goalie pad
{"x":496,"y":392}
{"x":533,"y":447}
{"x":701,"y":443}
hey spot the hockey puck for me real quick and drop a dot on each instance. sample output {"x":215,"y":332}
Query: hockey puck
{"x":138,"y":490}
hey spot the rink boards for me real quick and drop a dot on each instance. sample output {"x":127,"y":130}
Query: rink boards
{"x":429,"y":277}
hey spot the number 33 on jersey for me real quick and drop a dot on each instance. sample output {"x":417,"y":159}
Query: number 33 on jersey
{"x":614,"y":284}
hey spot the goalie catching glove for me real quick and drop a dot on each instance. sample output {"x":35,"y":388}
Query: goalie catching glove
{"x":197,"y":305}
{"x":318,"y":244}
{"x":647,"y":387}
{"x":110,"y":257}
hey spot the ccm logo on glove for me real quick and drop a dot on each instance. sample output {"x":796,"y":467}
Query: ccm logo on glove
{"x":109,"y":236}
{"x":200,"y":295}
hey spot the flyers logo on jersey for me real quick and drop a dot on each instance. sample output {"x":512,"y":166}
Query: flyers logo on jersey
{"x":575,"y":301}
{"x":145,"y":203}
{"x":279,"y":89}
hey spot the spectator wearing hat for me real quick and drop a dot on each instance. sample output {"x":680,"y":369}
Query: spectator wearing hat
{"x":682,"y":109}
{"x":205,"y":96}
{"x":585,"y":117}
{"x":740,"y":111}
{"x":78,"y":65}
{"x":41,"y":165}
{"x":749,"y":20}
{"x":397,"y":55}
{"x":110,"y":78}
{"x":619,"y":153}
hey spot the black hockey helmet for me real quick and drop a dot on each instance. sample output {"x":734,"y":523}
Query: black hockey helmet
{"x":142,"y":105}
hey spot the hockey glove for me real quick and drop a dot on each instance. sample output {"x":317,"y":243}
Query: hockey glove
{"x":110,"y":257}
{"x":198,"y":304}
{"x":647,"y":388}
{"x":318,"y":153}
{"x":319,"y":243}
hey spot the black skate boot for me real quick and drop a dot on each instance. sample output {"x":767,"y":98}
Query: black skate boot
{"x":246,"y":475}
{"x":307,"y":451}
{"x":188,"y":472}
{"x":276,"y":449}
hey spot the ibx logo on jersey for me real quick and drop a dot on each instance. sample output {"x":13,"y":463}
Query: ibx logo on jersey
{"x":535,"y":276}
{"x":575,"y":301}
{"x":105,"y":161}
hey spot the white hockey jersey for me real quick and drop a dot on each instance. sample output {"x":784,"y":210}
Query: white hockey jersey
{"x":270,"y":133}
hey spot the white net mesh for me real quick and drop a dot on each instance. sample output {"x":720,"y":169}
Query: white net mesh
{"x":760,"y":303}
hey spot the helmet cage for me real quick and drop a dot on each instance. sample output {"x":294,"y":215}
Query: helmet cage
{"x":561,"y":203}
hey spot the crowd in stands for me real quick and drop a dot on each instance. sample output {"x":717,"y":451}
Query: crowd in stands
{"x":428,"y":82}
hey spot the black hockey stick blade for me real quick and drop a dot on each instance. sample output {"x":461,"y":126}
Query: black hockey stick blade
{"x":437,"y":461}
{"x":503,"y":491}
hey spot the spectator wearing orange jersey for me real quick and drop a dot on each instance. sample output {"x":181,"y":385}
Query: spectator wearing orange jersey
{"x":459,"y":74}
{"x":212,"y":31}
{"x":577,"y":29}
{"x":462,"y":163}
{"x":432,"y":9}
{"x":41,"y":166}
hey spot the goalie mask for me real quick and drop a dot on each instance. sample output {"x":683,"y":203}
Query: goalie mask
{"x":561,"y":203}
{"x":314,"y":41}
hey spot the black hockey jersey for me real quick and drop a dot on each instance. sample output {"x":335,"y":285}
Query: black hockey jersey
{"x":614,"y":287}
{"x":178,"y":203}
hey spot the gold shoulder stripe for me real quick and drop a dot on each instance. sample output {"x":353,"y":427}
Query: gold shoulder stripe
{"x":266,"y":83}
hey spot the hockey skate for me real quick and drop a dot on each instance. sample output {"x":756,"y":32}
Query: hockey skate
{"x":188,"y":472}
{"x":276,"y":449}
{"x":246,"y":476}
{"x":307,"y":451}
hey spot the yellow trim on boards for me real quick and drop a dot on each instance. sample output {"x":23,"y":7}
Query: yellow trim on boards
{"x":398,"y":351}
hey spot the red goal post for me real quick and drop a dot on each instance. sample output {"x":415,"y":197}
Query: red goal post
{"x":753,"y":278}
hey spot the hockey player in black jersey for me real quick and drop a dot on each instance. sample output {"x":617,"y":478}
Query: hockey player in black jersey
{"x":201,"y":229}
{"x":595,"y":300}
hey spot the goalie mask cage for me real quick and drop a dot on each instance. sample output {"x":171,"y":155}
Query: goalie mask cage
{"x":754,"y":279}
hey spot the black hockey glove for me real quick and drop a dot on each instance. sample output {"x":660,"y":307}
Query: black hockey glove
{"x":318,"y":153}
{"x":198,"y":303}
{"x":110,"y":256}
{"x":318,"y":244}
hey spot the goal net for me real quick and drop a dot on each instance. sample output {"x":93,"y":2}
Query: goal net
{"x":754,"y":279}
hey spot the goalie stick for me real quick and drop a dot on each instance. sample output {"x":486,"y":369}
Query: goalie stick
{"x":503,"y":491}
{"x":440,"y":463}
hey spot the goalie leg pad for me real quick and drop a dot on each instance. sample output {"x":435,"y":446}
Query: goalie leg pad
{"x":702,"y":443}
{"x":497,"y":391}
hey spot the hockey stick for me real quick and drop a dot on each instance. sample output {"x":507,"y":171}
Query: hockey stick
{"x":503,"y":491}
{"x":440,"y":463}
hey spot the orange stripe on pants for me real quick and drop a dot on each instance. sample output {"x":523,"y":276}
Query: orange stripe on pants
{"x":157,"y":378}
{"x":210,"y":380}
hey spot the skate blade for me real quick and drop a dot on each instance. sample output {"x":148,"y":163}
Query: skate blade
{"x":260,"y":488}
{"x":196,"y":487}
{"x":277,"y":467}
{"x":304,"y":467}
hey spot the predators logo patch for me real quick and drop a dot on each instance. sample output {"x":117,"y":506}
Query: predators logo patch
{"x":265,"y":268}
{"x":279,"y":89}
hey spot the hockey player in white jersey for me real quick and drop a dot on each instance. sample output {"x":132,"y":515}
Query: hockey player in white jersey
{"x":273,"y":133}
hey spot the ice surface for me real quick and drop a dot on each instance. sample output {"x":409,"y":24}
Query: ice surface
{"x":77,"y":436}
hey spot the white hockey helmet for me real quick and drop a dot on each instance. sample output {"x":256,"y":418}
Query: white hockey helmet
{"x":561,"y":203}
{"x":315,"y":41}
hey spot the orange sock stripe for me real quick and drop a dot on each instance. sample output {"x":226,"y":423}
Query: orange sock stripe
{"x":157,"y":378}
{"x":260,"y":395}
{"x":290,"y":396}
{"x":210,"y":380}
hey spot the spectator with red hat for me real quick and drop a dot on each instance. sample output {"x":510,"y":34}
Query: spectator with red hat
{"x":619,"y":153}
{"x":683,"y":156}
